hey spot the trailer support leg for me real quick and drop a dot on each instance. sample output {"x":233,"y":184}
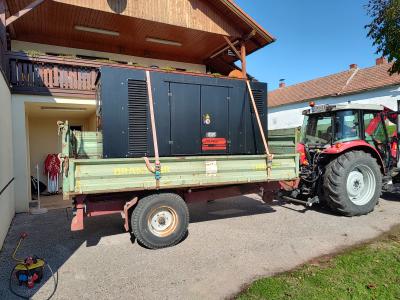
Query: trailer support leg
{"x":127,"y":206}
{"x":77,"y":220}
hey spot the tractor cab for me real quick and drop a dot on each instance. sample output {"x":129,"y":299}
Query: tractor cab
{"x":332,"y":129}
{"x":349,"y":153}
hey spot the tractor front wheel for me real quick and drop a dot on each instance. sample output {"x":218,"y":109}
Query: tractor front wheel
{"x":353,"y":183}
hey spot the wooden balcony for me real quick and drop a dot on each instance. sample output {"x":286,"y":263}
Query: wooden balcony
{"x":58,"y":75}
{"x":52,"y":75}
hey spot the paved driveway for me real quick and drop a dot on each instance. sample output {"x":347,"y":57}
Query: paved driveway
{"x":231,"y":242}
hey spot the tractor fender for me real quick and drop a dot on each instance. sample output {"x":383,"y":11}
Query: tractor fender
{"x":341,"y":148}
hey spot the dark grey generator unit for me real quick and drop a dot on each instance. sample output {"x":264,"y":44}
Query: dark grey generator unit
{"x":195,"y":115}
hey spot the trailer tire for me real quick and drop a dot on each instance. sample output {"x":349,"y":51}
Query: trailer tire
{"x":353,"y":183}
{"x":160,"y":220}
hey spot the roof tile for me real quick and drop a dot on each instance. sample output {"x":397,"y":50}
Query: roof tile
{"x":351,"y":81}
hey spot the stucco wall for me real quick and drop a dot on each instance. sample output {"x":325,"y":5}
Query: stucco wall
{"x":7,"y":204}
{"x":289,"y":116}
{"x":25,"y":46}
{"x":92,"y":123}
{"x":44,"y":140}
{"x":22,"y":143}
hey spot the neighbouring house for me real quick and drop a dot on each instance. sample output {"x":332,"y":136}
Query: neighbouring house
{"x":51,"y":52}
{"x":369,"y":85}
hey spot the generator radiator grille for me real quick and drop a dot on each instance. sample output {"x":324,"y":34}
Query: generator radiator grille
{"x":260,"y":101}
{"x":137,"y":117}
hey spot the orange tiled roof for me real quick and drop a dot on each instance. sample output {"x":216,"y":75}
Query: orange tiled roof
{"x":348,"y":82}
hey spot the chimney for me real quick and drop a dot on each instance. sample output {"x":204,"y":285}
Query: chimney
{"x":282,"y":83}
{"x":381,"y":61}
{"x":353,"y":66}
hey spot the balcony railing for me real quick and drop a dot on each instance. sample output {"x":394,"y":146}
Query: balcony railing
{"x":52,"y":75}
{"x":58,"y":75}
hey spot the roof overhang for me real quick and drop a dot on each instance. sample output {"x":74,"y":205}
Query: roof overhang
{"x":249,"y":20}
{"x":55,"y":22}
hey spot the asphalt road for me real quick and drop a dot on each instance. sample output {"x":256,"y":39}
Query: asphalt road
{"x":230,"y":243}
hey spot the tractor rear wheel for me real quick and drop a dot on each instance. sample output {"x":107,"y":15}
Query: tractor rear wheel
{"x":353,"y":183}
{"x":160,"y":220}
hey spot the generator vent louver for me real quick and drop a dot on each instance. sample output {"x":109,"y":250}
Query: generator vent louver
{"x":137,"y":112}
{"x":260,"y":101}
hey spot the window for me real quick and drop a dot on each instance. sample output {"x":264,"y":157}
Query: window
{"x":346,"y":126}
{"x":374,"y":129}
{"x":317,"y":129}
{"x":391,"y":128}
{"x":329,"y":128}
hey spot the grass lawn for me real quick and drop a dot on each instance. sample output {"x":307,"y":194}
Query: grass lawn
{"x":370,"y":271}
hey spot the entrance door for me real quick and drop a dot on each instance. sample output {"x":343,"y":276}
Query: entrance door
{"x":215,"y":121}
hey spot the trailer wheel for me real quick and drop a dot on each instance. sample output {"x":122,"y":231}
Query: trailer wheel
{"x":353,"y":183}
{"x":160,"y":220}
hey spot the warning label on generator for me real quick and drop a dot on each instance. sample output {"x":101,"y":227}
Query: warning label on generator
{"x":210,"y":144}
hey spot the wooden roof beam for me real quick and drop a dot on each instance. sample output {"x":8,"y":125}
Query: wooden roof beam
{"x":24,"y":11}
{"x":243,"y":60}
{"x":249,"y":36}
{"x":219,"y":52}
{"x":241,"y":55}
{"x":233,"y":47}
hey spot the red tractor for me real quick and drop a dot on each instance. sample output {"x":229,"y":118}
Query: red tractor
{"x":349,"y":154}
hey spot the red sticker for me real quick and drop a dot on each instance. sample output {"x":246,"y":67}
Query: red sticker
{"x":210,"y":144}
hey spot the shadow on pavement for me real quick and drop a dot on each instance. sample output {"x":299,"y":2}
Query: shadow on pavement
{"x":227,"y":208}
{"x":324,"y":209}
{"x":394,"y":196}
{"x":49,"y":236}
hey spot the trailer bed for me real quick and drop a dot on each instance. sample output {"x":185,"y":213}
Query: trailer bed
{"x":85,"y":172}
{"x":94,"y":176}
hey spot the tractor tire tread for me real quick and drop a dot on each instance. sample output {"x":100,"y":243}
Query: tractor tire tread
{"x":335,"y":192}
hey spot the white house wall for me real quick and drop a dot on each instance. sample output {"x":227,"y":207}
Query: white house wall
{"x":7,"y":204}
{"x":289,"y":116}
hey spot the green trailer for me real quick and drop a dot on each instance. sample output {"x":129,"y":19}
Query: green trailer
{"x":154,"y":208}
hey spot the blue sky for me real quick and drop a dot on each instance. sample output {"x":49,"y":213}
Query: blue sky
{"x":314,"y":38}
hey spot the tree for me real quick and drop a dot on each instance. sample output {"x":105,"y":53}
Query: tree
{"x":384,"y":30}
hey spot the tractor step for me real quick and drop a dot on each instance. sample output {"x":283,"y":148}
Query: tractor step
{"x":309,"y":203}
